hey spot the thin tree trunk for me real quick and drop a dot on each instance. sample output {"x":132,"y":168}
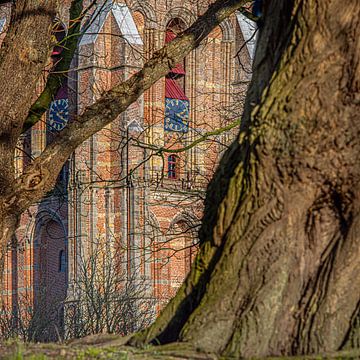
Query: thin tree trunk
{"x":278,"y":269}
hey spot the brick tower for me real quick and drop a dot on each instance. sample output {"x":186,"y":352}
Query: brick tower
{"x":137,"y":186}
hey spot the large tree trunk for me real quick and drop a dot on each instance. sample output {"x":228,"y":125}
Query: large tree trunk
{"x":278,"y":269}
{"x":23,"y":57}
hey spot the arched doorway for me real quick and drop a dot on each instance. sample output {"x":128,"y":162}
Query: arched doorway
{"x":50,"y":280}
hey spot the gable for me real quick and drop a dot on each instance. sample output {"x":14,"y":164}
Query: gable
{"x":123,"y":19}
{"x":126,"y":24}
{"x":248,"y":29}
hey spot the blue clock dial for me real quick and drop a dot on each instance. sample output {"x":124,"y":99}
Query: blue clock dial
{"x":59,"y":114}
{"x":176,"y":115}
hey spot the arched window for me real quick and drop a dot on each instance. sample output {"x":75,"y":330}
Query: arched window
{"x":172,"y":167}
{"x":178,"y":73}
{"x":177,"y":104}
{"x":62,"y":261}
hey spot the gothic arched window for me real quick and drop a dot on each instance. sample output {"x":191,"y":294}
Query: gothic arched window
{"x":176,"y":102}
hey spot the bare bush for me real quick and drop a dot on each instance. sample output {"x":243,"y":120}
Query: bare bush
{"x":107,"y":298}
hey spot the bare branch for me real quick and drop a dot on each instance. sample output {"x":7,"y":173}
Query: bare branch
{"x":199,"y":140}
{"x":41,"y":175}
{"x":58,"y":75}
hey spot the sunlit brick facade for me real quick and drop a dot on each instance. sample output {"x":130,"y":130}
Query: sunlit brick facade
{"x":131,"y":185}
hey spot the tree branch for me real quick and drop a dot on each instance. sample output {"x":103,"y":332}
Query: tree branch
{"x":200,"y":139}
{"x":249,"y":14}
{"x":57,"y":77}
{"x":20,"y":68}
{"x":39,"y":177}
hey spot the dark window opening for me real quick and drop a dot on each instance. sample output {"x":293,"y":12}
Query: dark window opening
{"x":59,"y":33}
{"x":62,"y":261}
{"x":172,"y":170}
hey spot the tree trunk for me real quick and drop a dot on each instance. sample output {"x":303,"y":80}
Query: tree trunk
{"x":23,"y":57}
{"x":278,"y":269}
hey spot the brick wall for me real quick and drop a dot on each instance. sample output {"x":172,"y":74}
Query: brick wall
{"x":119,"y":192}
{"x":139,"y":213}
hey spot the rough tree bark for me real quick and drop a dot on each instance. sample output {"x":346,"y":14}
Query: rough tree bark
{"x":20,"y":69}
{"x":277,"y":272}
{"x":58,"y":75}
{"x":278,"y":269}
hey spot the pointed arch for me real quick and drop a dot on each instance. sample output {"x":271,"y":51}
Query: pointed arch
{"x":146,"y":10}
{"x":154,"y":228}
{"x":122,"y":17}
{"x":227,"y":30}
{"x":187,"y":217}
{"x":40,"y":218}
{"x":181,"y":13}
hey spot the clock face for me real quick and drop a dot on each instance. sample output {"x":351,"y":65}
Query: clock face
{"x":176,"y":115}
{"x":58,"y":114}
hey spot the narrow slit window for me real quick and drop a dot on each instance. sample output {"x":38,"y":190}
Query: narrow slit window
{"x":62,"y":261}
{"x":172,"y":167}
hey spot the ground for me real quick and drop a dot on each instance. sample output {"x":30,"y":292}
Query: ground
{"x":113,"y":347}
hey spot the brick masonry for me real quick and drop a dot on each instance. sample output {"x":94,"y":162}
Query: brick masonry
{"x":115,"y":189}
